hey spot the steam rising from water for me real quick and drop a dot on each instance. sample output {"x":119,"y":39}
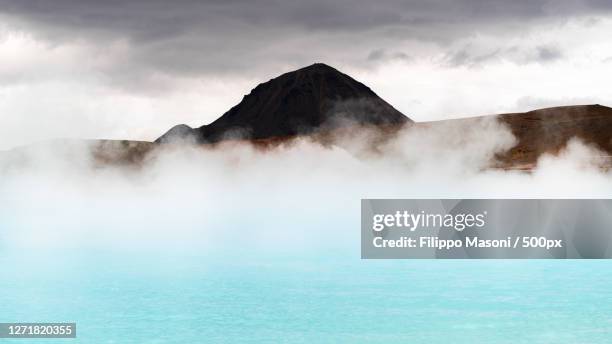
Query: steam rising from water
{"x":239,"y":198}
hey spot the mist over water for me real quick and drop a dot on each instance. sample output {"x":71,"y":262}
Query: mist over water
{"x":192,"y":197}
{"x":265,"y":243}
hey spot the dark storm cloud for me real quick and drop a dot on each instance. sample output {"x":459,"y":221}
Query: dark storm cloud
{"x":158,"y":19}
{"x":190,"y":38}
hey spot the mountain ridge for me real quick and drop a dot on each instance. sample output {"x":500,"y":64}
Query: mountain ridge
{"x":328,"y":104}
{"x":299,"y":102}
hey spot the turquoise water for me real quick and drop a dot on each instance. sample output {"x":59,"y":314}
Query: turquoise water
{"x":306,"y":297}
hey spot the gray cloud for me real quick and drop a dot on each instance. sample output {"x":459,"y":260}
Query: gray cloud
{"x":548,"y":53}
{"x":382,"y":55}
{"x":470,"y":57}
{"x":465,"y":57}
{"x":143,"y":42}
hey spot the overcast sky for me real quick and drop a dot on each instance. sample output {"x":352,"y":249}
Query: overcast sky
{"x":132,"y":69}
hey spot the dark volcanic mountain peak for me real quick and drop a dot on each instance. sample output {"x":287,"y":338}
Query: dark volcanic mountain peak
{"x":297,"y":103}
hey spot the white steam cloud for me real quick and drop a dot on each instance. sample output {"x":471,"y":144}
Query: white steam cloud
{"x":287,"y":198}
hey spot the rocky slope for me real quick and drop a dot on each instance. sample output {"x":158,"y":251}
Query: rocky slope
{"x":549,"y":130}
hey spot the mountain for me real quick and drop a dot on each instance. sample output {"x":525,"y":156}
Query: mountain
{"x":319,"y":98}
{"x":301,"y":102}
